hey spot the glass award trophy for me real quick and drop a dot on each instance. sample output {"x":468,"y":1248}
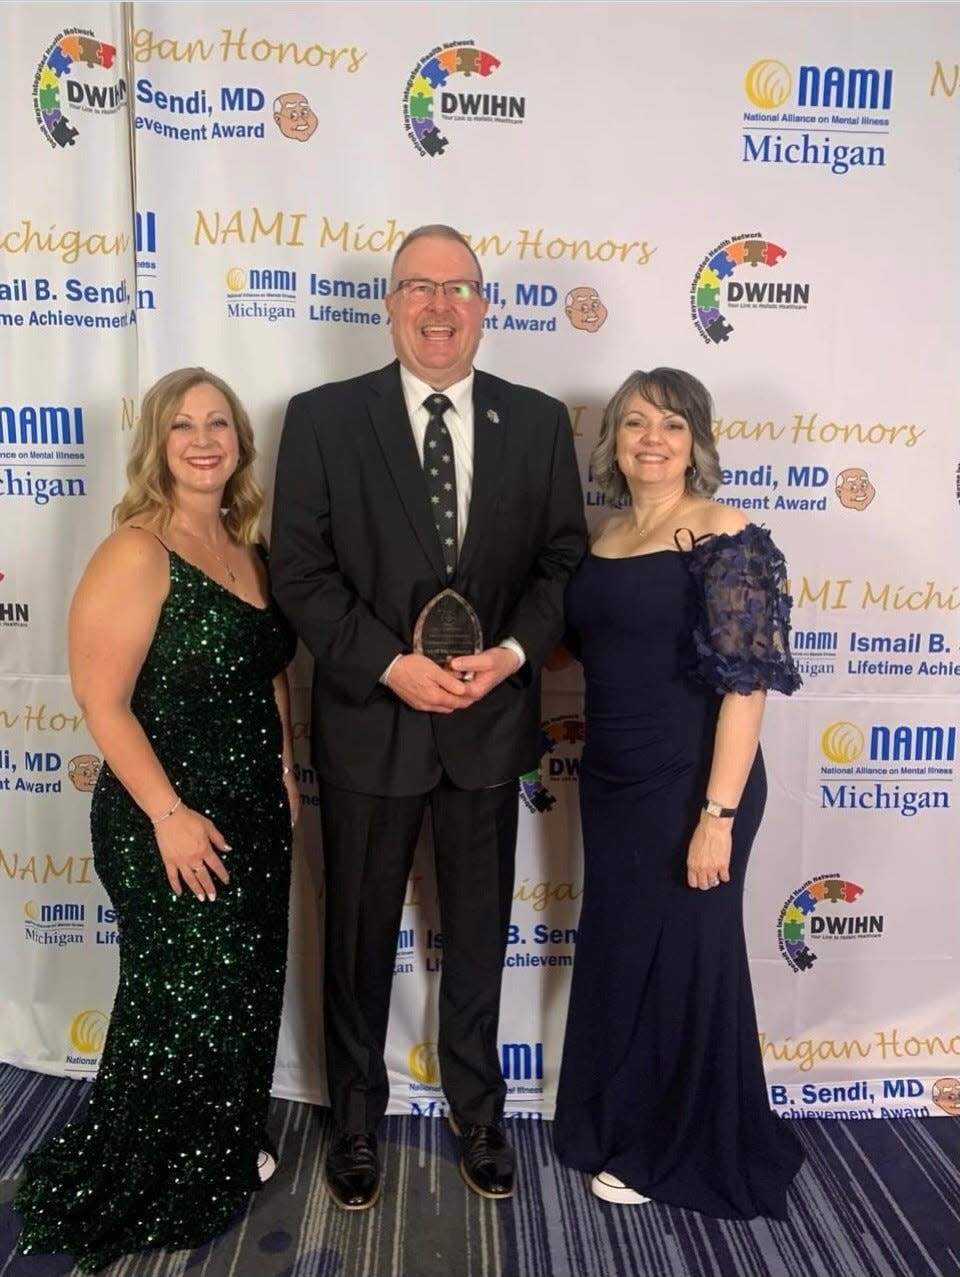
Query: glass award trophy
{"x":448,"y":627}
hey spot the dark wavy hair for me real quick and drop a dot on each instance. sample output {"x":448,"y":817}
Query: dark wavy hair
{"x":670,"y":389}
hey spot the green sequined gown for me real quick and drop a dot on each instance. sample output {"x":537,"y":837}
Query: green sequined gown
{"x":167,"y":1153}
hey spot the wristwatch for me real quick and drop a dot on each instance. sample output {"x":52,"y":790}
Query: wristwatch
{"x":714,"y":809}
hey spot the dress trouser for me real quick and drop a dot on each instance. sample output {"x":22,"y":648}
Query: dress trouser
{"x":369,"y":843}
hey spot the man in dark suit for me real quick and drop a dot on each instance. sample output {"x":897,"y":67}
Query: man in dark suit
{"x":364,"y":536}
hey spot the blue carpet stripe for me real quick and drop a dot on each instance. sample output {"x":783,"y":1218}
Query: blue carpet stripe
{"x":874,"y":1199}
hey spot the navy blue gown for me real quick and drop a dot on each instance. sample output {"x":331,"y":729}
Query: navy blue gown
{"x":662,"y":1082}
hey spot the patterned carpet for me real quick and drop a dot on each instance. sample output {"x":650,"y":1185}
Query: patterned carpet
{"x":875,"y":1199}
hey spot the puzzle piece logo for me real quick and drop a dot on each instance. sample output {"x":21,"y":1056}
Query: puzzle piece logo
{"x":428,"y":103}
{"x":561,"y":743}
{"x":75,"y":72}
{"x":799,"y":920}
{"x":713,"y":285}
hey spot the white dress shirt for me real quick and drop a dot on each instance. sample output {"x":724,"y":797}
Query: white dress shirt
{"x":459,"y":422}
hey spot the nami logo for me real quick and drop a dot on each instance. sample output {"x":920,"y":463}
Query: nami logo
{"x":87,"y":1033}
{"x":799,"y":920}
{"x":561,"y":743}
{"x":713,"y":285}
{"x":261,"y":292}
{"x":889,"y":767}
{"x":767,"y":83}
{"x":145,"y":243}
{"x":815,"y":651}
{"x":76,"y":73}
{"x":59,"y":924}
{"x":908,"y":749}
{"x":428,"y":104}
{"x":423,"y":1064}
{"x":519,"y":1062}
{"x":795,"y":115}
{"x":842,"y":743}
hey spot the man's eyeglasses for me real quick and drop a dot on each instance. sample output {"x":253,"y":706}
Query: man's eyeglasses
{"x":423,"y":290}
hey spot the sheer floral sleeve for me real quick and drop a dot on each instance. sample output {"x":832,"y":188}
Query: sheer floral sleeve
{"x":743,"y":624}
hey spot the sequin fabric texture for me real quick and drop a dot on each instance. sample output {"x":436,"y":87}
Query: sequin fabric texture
{"x":168,"y":1151}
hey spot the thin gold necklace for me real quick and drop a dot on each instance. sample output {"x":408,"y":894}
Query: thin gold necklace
{"x":223,"y":563}
{"x":643,"y":532}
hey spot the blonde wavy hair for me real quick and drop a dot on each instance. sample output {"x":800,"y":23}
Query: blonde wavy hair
{"x":149,"y":491}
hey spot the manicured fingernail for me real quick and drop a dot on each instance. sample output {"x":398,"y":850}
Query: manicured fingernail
{"x":227,"y":847}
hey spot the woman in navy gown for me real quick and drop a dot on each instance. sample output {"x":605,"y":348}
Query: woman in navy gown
{"x":681,"y":619}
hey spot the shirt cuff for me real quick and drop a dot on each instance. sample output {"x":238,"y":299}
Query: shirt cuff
{"x":386,"y":673}
{"x":512,"y":645}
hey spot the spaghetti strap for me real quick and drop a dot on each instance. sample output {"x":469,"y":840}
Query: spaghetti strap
{"x":140,"y":528}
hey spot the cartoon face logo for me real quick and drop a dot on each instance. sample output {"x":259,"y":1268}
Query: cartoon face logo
{"x":854,"y":489}
{"x":83,"y":771}
{"x":585,"y":310}
{"x":945,"y":1093}
{"x":294,"y":116}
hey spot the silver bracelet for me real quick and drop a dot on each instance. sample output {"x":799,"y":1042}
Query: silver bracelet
{"x":167,"y":814}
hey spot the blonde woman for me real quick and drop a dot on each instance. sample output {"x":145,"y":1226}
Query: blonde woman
{"x":177,"y":657}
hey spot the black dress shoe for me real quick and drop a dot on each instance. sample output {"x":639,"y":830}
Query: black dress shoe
{"x":353,"y":1171}
{"x":487,"y":1164}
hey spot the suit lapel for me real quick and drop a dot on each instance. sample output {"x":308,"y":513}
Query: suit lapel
{"x":388,"y":413}
{"x":490,"y":425}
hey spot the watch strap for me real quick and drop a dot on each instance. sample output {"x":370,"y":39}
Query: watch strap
{"x":714,"y":809}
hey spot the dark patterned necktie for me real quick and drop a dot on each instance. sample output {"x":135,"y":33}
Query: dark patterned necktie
{"x":441,"y":478}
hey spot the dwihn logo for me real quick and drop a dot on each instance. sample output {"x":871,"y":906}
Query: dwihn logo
{"x":428,"y":103}
{"x":77,"y":71}
{"x":561,"y":742}
{"x":712,"y":285}
{"x":799,"y":920}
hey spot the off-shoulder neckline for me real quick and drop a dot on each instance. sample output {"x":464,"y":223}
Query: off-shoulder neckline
{"x":695,"y":544}
{"x":626,"y":558}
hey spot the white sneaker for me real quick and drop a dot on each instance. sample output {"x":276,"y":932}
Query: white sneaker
{"x":266,"y":1165}
{"x":610,"y":1189}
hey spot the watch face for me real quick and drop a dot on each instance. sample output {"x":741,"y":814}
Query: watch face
{"x":714,"y":809}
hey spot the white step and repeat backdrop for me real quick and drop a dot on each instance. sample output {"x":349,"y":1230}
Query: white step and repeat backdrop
{"x":764,"y":195}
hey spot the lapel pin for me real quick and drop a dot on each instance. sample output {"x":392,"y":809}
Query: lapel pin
{"x":492,"y":416}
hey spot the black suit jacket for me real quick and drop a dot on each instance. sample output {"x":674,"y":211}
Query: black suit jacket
{"x":355,"y":556}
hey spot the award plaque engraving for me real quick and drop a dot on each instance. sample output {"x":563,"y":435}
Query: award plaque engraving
{"x":447,"y":627}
